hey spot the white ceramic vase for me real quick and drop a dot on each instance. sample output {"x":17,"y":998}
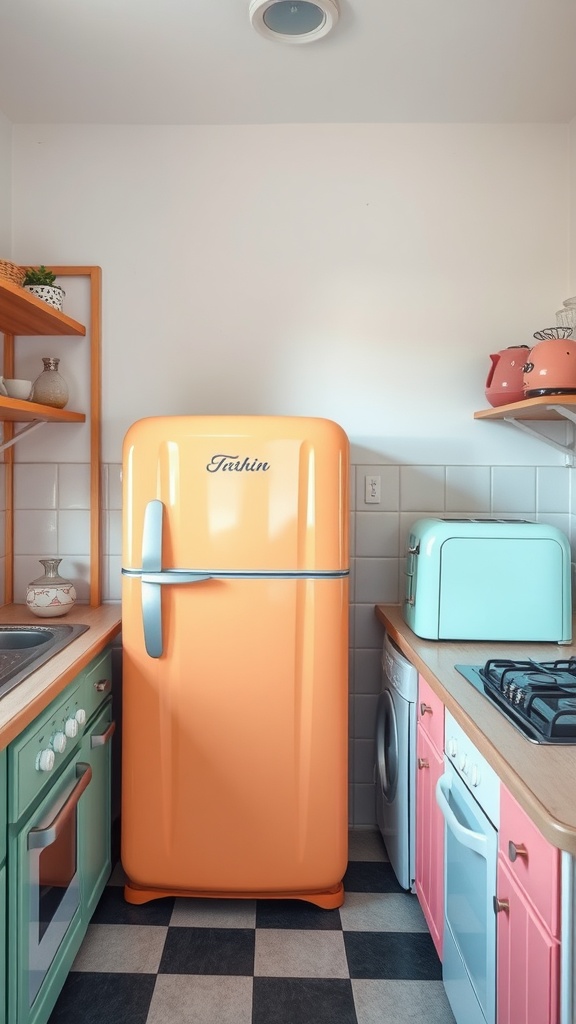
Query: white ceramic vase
{"x":50,"y":595}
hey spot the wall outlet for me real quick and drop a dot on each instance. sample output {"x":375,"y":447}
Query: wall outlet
{"x":372,"y":490}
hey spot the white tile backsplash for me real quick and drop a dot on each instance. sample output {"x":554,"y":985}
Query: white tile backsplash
{"x":468,"y":487}
{"x":74,"y":532}
{"x":514,"y":490}
{"x":74,"y":486}
{"x":422,"y":487}
{"x":35,"y":486}
{"x":51,"y":518}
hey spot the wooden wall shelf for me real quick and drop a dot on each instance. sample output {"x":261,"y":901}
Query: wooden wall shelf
{"x":543,"y":408}
{"x":21,"y":313}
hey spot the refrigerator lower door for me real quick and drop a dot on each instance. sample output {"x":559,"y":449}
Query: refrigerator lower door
{"x":235,"y":741}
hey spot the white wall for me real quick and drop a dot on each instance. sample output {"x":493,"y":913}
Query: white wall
{"x":359,"y":272}
{"x":5,"y":186}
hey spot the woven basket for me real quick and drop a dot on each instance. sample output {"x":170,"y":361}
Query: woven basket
{"x":12,"y":272}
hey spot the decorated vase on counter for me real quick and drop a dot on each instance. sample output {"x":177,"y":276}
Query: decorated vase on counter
{"x":50,"y":388}
{"x":50,"y":595}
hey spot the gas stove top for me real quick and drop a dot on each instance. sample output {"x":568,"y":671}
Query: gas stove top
{"x":539,"y":698}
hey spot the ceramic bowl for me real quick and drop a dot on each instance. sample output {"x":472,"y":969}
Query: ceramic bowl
{"x":21,"y":389}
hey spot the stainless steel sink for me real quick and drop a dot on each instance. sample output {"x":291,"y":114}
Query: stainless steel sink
{"x":24,"y":648}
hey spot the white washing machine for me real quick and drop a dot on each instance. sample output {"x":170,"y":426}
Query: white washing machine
{"x":395,"y":769}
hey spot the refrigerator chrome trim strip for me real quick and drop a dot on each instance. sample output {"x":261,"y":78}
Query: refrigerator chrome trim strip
{"x":190,"y":576}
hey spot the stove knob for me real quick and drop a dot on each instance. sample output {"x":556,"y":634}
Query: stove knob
{"x":452,"y":747}
{"x":71,"y":728}
{"x":58,"y":742}
{"x":475,"y":775}
{"x":45,"y":761}
{"x":463,"y":763}
{"x":80,"y":716}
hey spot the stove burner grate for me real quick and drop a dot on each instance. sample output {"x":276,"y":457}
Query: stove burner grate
{"x":542,"y":695}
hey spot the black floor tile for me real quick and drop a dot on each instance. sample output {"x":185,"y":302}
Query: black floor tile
{"x":208,"y":951}
{"x":295,"y":914}
{"x":96,"y":998}
{"x":402,"y":956}
{"x":302,"y":1001}
{"x":113,"y":909}
{"x":371,"y":876}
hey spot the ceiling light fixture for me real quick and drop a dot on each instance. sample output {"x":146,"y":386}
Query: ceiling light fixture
{"x":293,"y":21}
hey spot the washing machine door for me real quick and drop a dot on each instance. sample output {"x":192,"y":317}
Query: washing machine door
{"x":386,"y":749}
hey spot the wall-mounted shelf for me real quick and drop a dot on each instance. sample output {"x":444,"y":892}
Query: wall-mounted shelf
{"x":23,"y":314}
{"x":544,"y":408}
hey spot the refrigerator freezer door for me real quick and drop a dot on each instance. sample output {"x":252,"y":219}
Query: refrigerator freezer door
{"x":240,"y":492}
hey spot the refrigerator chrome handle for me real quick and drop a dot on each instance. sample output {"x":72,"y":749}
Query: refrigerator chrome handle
{"x":152,"y":536}
{"x":175,"y":576}
{"x":152,"y":583}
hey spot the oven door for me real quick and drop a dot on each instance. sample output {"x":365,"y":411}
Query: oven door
{"x":49,"y":895}
{"x":471,"y":851}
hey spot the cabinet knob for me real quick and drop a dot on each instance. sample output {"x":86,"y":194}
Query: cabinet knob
{"x":423,"y":762}
{"x":500,"y":905}
{"x":517,"y":850}
{"x":425,"y":708}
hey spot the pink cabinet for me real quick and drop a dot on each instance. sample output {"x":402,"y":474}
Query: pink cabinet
{"x":429,"y":820}
{"x":528,"y":920}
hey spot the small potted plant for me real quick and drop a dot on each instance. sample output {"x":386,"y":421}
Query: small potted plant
{"x":39,"y":281}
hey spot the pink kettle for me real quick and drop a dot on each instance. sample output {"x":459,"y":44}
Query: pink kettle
{"x":505,"y":381}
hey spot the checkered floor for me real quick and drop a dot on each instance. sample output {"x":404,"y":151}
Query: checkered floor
{"x":188,"y":961}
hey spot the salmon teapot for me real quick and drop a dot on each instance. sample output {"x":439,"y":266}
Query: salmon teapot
{"x":551,"y":365}
{"x":505,"y":381}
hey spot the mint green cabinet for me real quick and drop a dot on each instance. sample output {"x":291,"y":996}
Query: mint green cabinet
{"x":57,"y":811}
{"x":95,"y":812}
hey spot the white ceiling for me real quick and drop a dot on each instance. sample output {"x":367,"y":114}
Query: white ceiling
{"x":201,"y":62}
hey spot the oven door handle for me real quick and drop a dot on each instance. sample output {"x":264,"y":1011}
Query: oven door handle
{"x":40,"y":838}
{"x":466,"y":836}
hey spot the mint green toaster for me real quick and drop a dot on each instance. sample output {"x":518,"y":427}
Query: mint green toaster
{"x":488,"y":579}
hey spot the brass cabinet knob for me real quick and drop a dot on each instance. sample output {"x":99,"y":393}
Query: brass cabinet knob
{"x":517,"y":850}
{"x":425,"y":708}
{"x":423,"y":762}
{"x":500,"y":905}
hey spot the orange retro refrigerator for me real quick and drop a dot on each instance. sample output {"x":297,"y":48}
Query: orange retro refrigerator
{"x":235,"y":652}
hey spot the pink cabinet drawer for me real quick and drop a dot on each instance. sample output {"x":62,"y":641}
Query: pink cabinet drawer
{"x":531,"y":860}
{"x":430,"y":713}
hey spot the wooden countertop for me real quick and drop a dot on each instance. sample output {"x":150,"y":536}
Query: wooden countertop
{"x":541,"y":776}
{"x":20,"y":706}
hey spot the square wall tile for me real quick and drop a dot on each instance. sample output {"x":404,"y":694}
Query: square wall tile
{"x":514,"y":490}
{"x":468,"y":488}
{"x":377,"y":580}
{"x":74,"y":485}
{"x":552,"y":489}
{"x":364,"y":803}
{"x":377,"y":534}
{"x":73,"y":532}
{"x":114,"y":496}
{"x":365,"y":716}
{"x":389,"y":488}
{"x":112,"y":543}
{"x":112,"y":578}
{"x":2,"y":487}
{"x":422,"y":487}
{"x":36,"y":532}
{"x":368,"y":670}
{"x":368,"y":631}
{"x":35,"y":486}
